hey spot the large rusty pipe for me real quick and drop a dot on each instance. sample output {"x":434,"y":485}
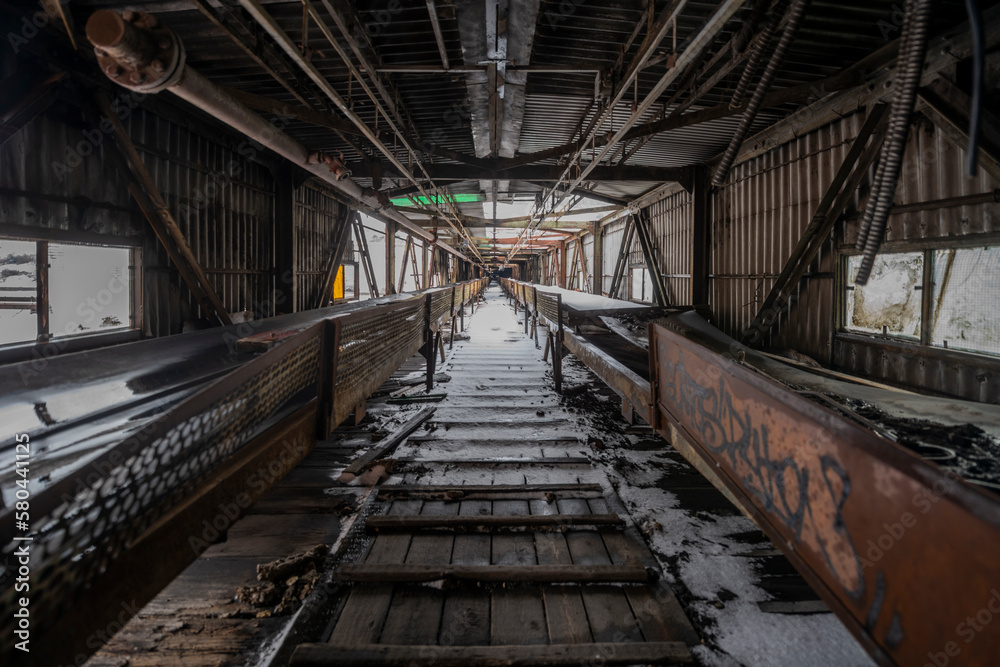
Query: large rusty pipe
{"x":122,"y":41}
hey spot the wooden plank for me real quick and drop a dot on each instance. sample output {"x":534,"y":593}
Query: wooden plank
{"x":421,"y":522}
{"x":518,"y":617}
{"x":659,"y":615}
{"x":610,"y":615}
{"x":565,"y":614}
{"x":553,"y":655}
{"x":586,"y":546}
{"x":622,"y":547}
{"x":485,"y":491}
{"x":414,"y":616}
{"x":393,"y":548}
{"x":513,"y":549}
{"x":430,"y":549}
{"x":465,"y":619}
{"x":414,"y":573}
{"x":472,"y":549}
{"x":363,"y":616}
{"x":387,"y":444}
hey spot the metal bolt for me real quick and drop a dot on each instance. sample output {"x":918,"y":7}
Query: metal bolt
{"x":113,"y":71}
{"x":136,"y":77}
{"x":156,"y":66}
{"x":150,"y":21}
{"x":129,"y":15}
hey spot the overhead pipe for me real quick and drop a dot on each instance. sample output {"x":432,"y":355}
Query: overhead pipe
{"x":795,"y":15}
{"x":267,"y":22}
{"x":911,"y":64}
{"x":138,"y":52}
{"x":757,"y":50}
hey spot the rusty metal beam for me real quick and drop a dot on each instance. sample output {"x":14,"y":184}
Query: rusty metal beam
{"x":876,"y":530}
{"x":838,"y":194}
{"x":166,"y":228}
{"x":645,"y":237}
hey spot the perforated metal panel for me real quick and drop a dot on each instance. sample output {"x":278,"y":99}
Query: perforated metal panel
{"x":84,"y":522}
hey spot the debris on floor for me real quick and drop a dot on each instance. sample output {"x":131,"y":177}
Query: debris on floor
{"x":284,"y":582}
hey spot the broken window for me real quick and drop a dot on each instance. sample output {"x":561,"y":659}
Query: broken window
{"x":964,"y":292}
{"x":89,"y":289}
{"x":890,"y":302}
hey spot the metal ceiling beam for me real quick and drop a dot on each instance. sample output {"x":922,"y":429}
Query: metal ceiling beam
{"x":438,"y":37}
{"x":550,"y":173}
{"x":266,"y":21}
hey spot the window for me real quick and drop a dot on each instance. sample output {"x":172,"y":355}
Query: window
{"x":641,"y":287}
{"x":86,"y":289}
{"x":963,"y":311}
{"x":966,"y":306}
{"x":890,"y":302}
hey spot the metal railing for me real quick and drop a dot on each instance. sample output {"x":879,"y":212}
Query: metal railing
{"x":540,"y":306}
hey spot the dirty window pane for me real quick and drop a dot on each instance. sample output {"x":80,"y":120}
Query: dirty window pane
{"x":966,"y":311}
{"x":18,"y":320}
{"x":89,"y":289}
{"x":642,"y":287}
{"x":890,"y":302}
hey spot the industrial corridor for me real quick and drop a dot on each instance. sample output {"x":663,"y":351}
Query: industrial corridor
{"x":512,"y":526}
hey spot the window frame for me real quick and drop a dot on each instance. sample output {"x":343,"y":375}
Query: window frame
{"x":926,"y":289}
{"x":19,"y":350}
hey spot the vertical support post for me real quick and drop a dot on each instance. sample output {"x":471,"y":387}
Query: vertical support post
{"x":598,"y":260}
{"x":390,"y":257}
{"x":451,"y":341}
{"x":430,"y":353}
{"x":328,"y":379}
{"x":284,"y":239}
{"x":557,"y":344}
{"x":561,"y":278}
{"x":534,"y":317}
{"x":42,"y":291}
{"x":646,"y":242}
{"x":700,"y":248}
{"x":427,"y":265}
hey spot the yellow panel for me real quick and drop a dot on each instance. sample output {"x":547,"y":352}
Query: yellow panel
{"x":338,"y":284}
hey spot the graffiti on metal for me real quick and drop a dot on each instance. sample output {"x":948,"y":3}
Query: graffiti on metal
{"x":806,"y":494}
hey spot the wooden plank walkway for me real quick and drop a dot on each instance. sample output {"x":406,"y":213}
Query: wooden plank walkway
{"x":473,"y":559}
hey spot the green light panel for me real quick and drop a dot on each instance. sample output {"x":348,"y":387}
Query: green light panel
{"x":457,"y":199}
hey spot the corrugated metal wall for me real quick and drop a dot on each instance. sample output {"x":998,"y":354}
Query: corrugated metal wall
{"x":224,"y":205}
{"x":317,"y":216}
{"x":612,"y":243}
{"x":757,"y":218}
{"x":218,"y":187}
{"x":670,"y":227}
{"x":44,"y":158}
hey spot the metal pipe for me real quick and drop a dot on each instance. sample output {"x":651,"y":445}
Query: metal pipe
{"x":267,"y":22}
{"x":911,"y":66}
{"x":756,"y":53}
{"x":795,"y":15}
{"x":106,"y":31}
